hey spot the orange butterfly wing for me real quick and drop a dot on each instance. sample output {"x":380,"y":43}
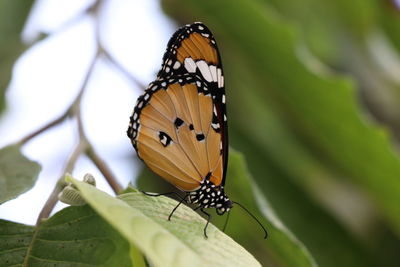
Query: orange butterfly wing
{"x":171,"y":130}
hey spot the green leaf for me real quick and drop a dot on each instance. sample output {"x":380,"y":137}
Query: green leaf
{"x":281,"y":246}
{"x":17,"y":173}
{"x":142,"y":220}
{"x":15,"y":239}
{"x":13,"y":14}
{"x":75,"y":236}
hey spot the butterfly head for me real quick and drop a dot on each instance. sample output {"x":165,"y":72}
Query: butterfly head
{"x":226,"y":205}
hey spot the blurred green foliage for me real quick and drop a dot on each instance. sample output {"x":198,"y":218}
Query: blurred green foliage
{"x":13,"y":14}
{"x":313,"y":106}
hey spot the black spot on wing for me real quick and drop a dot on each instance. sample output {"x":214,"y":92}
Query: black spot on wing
{"x":165,"y":139}
{"x":200,"y":137}
{"x":178,"y":123}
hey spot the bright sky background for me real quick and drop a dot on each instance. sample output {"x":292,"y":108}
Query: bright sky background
{"x":48,"y":76}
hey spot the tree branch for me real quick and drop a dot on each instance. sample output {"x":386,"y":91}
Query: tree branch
{"x":117,"y":65}
{"x":44,"y":128}
{"x":104,"y":169}
{"x":74,"y":110}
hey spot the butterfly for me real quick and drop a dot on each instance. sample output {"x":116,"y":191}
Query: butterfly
{"x":179,"y":124}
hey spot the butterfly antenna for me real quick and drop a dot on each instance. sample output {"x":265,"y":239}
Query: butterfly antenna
{"x":226,"y":221}
{"x":254,"y":217}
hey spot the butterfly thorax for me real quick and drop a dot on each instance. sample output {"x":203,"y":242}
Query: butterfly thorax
{"x":211,"y":196}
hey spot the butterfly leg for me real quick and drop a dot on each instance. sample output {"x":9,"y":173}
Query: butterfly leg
{"x":208,"y":221}
{"x":226,"y":221}
{"x":180,"y":202}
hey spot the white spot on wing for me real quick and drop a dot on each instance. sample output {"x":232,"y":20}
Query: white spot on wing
{"x":213,"y":70}
{"x":164,"y":141}
{"x":190,"y":65}
{"x":176,"y":65}
{"x":205,"y":70}
{"x":219,"y":75}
